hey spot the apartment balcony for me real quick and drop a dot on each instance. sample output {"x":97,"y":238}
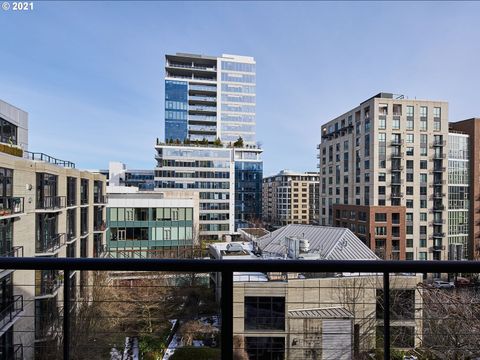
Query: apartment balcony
{"x":198,"y":129}
{"x":396,"y":182}
{"x":193,"y":99}
{"x":438,"y":183}
{"x":47,"y":283}
{"x":192,"y":66}
{"x":437,"y":195}
{"x":201,"y":119}
{"x":438,"y":143}
{"x":439,"y":156}
{"x":11,"y":313}
{"x":437,"y":248}
{"x":100,"y":226}
{"x":201,"y":109}
{"x":396,"y":155}
{"x":436,"y":222}
{"x":11,"y":207}
{"x":438,"y":207}
{"x":51,"y":203}
{"x":396,"y":142}
{"x":396,"y":195}
{"x":438,"y":169}
{"x":193,"y":88}
{"x":49,"y":244}
{"x":100,"y":199}
{"x":438,"y":235}
{"x":397,"y":168}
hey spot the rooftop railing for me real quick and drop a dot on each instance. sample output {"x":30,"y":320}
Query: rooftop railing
{"x":47,"y":158}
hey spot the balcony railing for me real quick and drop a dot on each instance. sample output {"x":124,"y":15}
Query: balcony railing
{"x":202,"y":88}
{"x":385,"y":273}
{"x":51,"y":202}
{"x":101,"y":226}
{"x":47,"y":158}
{"x":11,"y":206}
{"x":15,"y":352}
{"x":100,"y":199}
{"x":50,"y":244}
{"x":194,"y":67}
{"x":11,"y":312}
{"x":16,"y":251}
{"x":49,"y":284}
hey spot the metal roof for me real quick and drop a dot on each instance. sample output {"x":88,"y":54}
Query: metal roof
{"x":322,"y":313}
{"x":331,"y":243}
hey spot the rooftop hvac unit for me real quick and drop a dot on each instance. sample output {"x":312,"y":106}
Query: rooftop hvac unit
{"x":234,"y":247}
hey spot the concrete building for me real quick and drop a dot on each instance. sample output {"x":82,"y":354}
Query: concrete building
{"x":210,"y":97}
{"x":471,"y":127}
{"x":151,"y":224}
{"x":316,"y":315}
{"x":118,"y":175}
{"x":291,"y":198}
{"x":48,"y":209}
{"x":380,"y":167}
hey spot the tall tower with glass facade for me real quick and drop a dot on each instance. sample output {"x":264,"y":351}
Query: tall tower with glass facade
{"x":209,"y":105}
{"x":209,"y":97}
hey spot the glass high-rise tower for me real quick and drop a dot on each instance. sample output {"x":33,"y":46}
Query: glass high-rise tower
{"x":208,"y":97}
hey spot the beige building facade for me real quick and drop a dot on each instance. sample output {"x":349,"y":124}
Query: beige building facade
{"x":389,"y":152}
{"x":47,"y":209}
{"x":290,"y":198}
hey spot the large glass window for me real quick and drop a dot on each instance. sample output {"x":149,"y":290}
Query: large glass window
{"x":8,"y":132}
{"x":264,"y":313}
{"x":265,"y":348}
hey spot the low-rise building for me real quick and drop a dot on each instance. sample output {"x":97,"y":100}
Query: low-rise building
{"x":146,"y":224}
{"x":316,"y":315}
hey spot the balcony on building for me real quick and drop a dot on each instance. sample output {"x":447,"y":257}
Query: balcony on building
{"x":49,"y":244}
{"x":11,"y":207}
{"x":439,"y":143}
{"x":396,"y":155}
{"x":12,"y":310}
{"x":202,"y":89}
{"x":12,"y":251}
{"x":51,"y":203}
{"x":47,"y":283}
{"x":202,"y":100}
{"x":202,"y":109}
{"x":396,"y":142}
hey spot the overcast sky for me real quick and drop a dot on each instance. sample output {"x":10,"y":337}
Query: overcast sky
{"x":90,"y":74}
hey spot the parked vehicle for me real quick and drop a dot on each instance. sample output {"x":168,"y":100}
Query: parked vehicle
{"x":462,"y":282}
{"x":439,"y":284}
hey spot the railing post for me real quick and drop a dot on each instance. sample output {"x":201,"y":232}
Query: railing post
{"x":66,"y":315}
{"x":227,"y":314}
{"x":386,"y":316}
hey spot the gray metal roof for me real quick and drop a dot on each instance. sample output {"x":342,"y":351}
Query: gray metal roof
{"x":331,"y":243}
{"x":322,"y":313}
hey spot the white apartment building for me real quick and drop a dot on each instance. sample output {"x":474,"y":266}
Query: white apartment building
{"x":382,"y":174}
{"x":210,"y":97}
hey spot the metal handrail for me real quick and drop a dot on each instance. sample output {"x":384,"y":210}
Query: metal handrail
{"x":51,"y":202}
{"x":11,"y":205}
{"x":12,"y":310}
{"x":47,"y":158}
{"x":227,"y":267}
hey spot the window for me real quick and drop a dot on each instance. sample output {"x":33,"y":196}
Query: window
{"x":381,"y":177}
{"x":264,"y":313}
{"x":409,"y":190}
{"x":437,"y":119}
{"x":8,"y":132}
{"x":409,"y":151}
{"x":423,"y":118}
{"x":410,"y":123}
{"x":265,"y":348}
{"x":409,"y":204}
{"x":380,"y":217}
{"x":396,"y":123}
{"x":381,"y":190}
{"x":423,"y":164}
{"x":423,"y":216}
{"x":410,"y":139}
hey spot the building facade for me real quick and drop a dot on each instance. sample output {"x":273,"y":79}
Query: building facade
{"x":210,"y":97}
{"x":472,"y":128}
{"x":389,"y":152}
{"x":291,"y":198}
{"x":48,"y":209}
{"x":118,"y":175}
{"x":458,"y":196}
{"x":151,"y":224}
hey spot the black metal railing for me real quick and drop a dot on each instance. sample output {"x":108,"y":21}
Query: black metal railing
{"x":13,"y":352}
{"x":51,"y":202}
{"x":11,"y":205}
{"x":99,"y":199}
{"x":47,"y":158}
{"x":382,"y":269}
{"x":15,"y":251}
{"x":11,"y":311}
{"x":99,"y":226}
{"x":50,"y":244}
